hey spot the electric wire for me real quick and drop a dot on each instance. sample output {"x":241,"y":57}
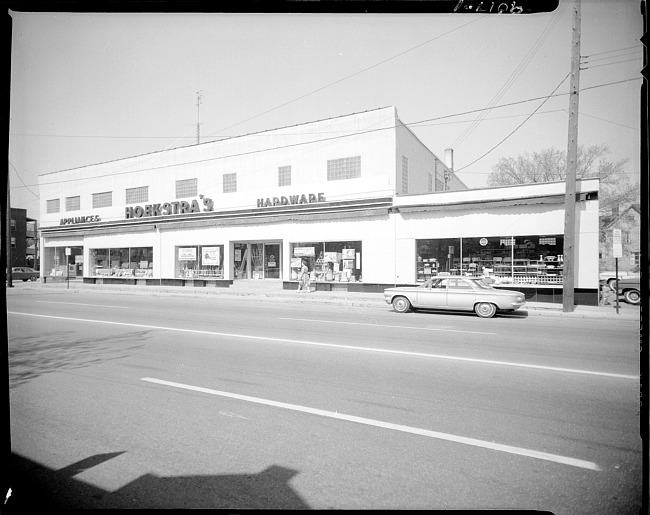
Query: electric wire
{"x":518,"y":127}
{"x":409,"y":124}
{"x":344,"y":78}
{"x":608,"y":64}
{"x":513,"y":76}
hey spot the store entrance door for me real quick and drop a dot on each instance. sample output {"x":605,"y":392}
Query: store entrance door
{"x":257,"y":260}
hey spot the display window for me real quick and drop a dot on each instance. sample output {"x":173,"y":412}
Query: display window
{"x":330,"y":261}
{"x":127,"y":262}
{"x":534,"y":259}
{"x":54,"y":261}
{"x":199,"y":262}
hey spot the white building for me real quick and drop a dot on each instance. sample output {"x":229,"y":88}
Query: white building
{"x":358,"y":198}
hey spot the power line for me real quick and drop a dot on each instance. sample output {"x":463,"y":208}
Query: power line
{"x":21,"y":180}
{"x":587,"y":60}
{"x":345,"y":78}
{"x":609,"y":64}
{"x":518,"y":127}
{"x":411,"y":124}
{"x":513,"y":76}
{"x":612,"y":51}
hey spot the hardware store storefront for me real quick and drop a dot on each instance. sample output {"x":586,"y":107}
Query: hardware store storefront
{"x":513,"y":235}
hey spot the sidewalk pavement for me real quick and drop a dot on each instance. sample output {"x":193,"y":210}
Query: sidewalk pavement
{"x":272,"y":291}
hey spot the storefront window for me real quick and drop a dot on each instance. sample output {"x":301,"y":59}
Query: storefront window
{"x":505,"y":259}
{"x":121,"y":262}
{"x":54,"y":261}
{"x":199,"y":262}
{"x":332,"y":261}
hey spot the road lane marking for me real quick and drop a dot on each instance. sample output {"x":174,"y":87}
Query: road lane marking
{"x":337,"y":346}
{"x":385,"y":325}
{"x":83,"y":304}
{"x":565,"y":460}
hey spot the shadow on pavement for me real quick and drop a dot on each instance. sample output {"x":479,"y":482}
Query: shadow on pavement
{"x":30,"y":357}
{"x":41,"y":489}
{"x":507,"y":314}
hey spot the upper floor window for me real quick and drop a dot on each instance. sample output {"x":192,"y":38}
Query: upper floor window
{"x":186,"y":188}
{"x":73,"y":203}
{"x":136,"y":195}
{"x":405,"y":175}
{"x":284,"y":176}
{"x":344,"y":168}
{"x":13,"y":224}
{"x":54,"y":205}
{"x":229,"y":182}
{"x":104,"y":199}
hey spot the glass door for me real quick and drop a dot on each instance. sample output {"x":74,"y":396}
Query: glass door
{"x":272,"y":261}
{"x":241,"y":261}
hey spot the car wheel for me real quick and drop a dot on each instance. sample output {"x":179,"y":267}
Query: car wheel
{"x":485,"y":309}
{"x":25,"y":280}
{"x":401,"y":304}
{"x":632,"y":297}
{"x":33,"y":278}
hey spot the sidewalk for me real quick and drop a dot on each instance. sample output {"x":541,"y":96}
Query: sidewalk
{"x":272,"y":291}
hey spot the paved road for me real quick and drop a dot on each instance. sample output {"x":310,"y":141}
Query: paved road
{"x":133,"y":401}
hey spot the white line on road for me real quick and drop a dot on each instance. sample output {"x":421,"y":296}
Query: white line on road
{"x":337,"y":346}
{"x":385,"y":325}
{"x":83,"y":304}
{"x":565,"y":460}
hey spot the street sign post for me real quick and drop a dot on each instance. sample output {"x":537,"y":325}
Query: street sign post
{"x":617,"y":252}
{"x":68,"y":251}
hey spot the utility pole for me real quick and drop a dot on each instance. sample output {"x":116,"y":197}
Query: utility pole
{"x":198,"y":117}
{"x":568,"y":291}
{"x":8,"y":242}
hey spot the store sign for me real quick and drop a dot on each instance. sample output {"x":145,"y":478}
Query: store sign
{"x":310,"y":198}
{"x":210,"y":256}
{"x":617,"y":245}
{"x":187,"y":254}
{"x":79,"y":220}
{"x":178,"y":207}
{"x":304,"y":252}
{"x":483,"y":242}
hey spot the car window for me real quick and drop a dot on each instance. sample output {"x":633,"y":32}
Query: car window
{"x":441,"y":284}
{"x":461,"y":284}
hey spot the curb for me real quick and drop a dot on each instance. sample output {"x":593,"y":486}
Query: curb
{"x":351,"y":300}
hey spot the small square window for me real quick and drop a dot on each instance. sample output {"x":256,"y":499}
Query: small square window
{"x":54,"y":206}
{"x":229,"y":182}
{"x":136,"y":195}
{"x":284,"y":176}
{"x":186,"y":188}
{"x":73,"y":203}
{"x":104,"y":199}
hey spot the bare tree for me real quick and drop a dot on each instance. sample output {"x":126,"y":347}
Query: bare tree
{"x":549,"y":165}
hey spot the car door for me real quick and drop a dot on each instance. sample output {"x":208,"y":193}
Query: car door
{"x":434,"y":295}
{"x":460,"y":294}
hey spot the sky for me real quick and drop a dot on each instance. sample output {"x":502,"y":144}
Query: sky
{"x":88,"y":88}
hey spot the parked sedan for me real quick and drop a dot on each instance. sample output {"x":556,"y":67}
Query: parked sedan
{"x":24,"y":273}
{"x":454,"y":293}
{"x":630,"y":288}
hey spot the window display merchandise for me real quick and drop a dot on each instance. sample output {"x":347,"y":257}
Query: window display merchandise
{"x":199,"y":262}
{"x":134,"y":262}
{"x":333,"y":261}
{"x":504,"y":259}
